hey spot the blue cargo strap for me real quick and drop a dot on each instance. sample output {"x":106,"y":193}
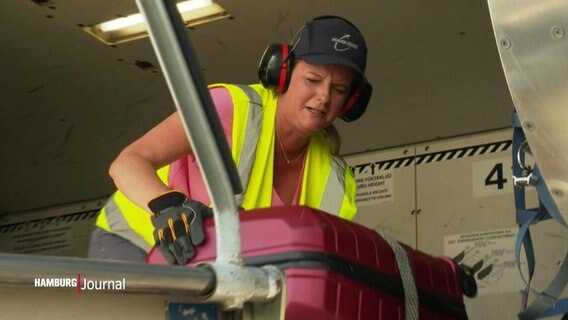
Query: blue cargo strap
{"x":546,"y":303}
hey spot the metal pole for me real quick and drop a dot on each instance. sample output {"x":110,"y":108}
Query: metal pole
{"x":29,"y":270}
{"x":235,"y":284}
{"x":168,"y":34}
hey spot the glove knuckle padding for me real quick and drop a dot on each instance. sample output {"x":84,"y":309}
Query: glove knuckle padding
{"x":162,"y":243}
{"x":178,"y":253}
{"x":179,"y":228}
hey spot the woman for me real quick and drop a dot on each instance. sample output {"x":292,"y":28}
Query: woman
{"x":306,"y":85}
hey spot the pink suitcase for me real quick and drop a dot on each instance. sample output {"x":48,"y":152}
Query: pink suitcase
{"x":336,"y":269}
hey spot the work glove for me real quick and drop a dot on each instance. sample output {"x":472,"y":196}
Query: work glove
{"x":178,"y":223}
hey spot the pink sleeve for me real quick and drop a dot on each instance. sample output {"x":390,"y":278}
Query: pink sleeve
{"x":224,"y":105}
{"x":184,"y":174}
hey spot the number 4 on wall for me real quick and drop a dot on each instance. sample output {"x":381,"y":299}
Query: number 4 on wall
{"x":492,"y":177}
{"x":495,"y":177}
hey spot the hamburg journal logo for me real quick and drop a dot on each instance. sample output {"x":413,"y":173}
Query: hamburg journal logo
{"x":81,"y":284}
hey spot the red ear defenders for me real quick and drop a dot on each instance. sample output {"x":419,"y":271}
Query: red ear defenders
{"x":276,"y":67}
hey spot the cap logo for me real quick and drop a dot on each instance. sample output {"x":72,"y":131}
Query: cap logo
{"x":343,"y":43}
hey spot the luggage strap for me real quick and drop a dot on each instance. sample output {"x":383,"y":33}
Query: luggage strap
{"x":363,"y":274}
{"x":408,"y":283}
{"x":547,"y":302}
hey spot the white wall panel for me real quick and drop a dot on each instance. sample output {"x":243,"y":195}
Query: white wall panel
{"x":59,"y":231}
{"x":463,"y":185}
{"x":386,"y":195}
{"x":466,"y":204}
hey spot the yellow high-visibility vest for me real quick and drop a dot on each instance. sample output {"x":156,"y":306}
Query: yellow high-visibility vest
{"x":327,"y":182}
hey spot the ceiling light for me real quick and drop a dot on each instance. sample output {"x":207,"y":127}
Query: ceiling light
{"x":132,"y":27}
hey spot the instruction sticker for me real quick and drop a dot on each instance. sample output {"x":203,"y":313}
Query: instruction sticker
{"x":490,"y":256}
{"x":374,"y":186}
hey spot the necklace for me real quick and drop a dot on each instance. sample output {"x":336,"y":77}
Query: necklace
{"x":288,"y":161}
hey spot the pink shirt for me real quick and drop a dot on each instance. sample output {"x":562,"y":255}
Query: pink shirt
{"x":277,"y":202}
{"x":184,"y":173}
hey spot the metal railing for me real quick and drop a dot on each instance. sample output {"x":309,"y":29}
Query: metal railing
{"x":30,"y":270}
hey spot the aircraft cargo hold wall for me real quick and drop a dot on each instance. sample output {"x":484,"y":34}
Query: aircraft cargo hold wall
{"x":454,"y":197}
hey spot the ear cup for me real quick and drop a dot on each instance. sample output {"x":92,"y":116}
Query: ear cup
{"x":275,"y":67}
{"x":357,"y":102}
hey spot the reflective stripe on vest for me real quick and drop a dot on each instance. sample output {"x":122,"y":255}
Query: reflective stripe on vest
{"x":328,"y":183}
{"x":118,"y":224}
{"x":335,"y":186}
{"x":247,"y":153}
{"x":124,"y":218}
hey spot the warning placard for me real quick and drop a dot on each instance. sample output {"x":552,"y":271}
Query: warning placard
{"x":490,"y":256}
{"x":374,"y":187}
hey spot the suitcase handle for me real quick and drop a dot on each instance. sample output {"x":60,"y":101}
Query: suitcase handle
{"x":467,"y":281}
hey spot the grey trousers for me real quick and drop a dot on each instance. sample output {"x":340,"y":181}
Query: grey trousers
{"x":108,"y":246}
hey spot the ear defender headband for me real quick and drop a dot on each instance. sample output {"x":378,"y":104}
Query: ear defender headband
{"x":277,"y":62}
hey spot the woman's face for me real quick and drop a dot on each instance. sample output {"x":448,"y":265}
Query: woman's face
{"x":315,"y":96}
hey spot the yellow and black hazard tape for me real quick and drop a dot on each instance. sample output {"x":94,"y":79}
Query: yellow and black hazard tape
{"x":432,"y":157}
{"x":48,"y":222}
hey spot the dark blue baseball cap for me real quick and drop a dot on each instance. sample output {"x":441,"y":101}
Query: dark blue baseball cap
{"x":331,"y":40}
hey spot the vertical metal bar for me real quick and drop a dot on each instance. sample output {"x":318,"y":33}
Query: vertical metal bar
{"x":173,"y":48}
{"x":235,"y":284}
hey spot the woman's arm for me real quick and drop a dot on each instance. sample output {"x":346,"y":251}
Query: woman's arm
{"x":134,"y":170}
